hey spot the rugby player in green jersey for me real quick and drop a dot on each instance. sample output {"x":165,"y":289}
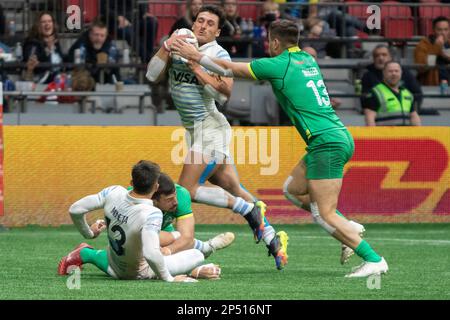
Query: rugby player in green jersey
{"x":175,"y":203}
{"x":298,"y":85}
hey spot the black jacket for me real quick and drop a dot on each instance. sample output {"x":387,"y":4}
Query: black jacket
{"x":130,"y":9}
{"x":39,"y":48}
{"x":91,"y":57}
{"x":373,"y":76}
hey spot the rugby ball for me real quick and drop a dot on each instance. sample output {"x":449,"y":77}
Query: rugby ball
{"x":192,"y":39}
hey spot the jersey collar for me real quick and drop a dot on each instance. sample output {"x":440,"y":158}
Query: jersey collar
{"x":294,"y":49}
{"x":207,"y":45}
{"x":138,"y":200}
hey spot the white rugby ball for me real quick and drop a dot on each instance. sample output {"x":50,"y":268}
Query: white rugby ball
{"x":192,"y":39}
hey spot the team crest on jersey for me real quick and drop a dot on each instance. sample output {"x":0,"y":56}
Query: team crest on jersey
{"x":310,"y":72}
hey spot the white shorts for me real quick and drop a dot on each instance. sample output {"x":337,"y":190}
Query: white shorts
{"x":143,"y":274}
{"x":211,"y":137}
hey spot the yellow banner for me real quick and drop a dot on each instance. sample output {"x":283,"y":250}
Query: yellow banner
{"x":395,"y":175}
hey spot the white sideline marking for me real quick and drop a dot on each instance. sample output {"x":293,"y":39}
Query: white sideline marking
{"x":300,"y":236}
{"x":293,"y":236}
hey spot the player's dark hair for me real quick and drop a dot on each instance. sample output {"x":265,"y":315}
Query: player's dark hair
{"x":218,"y":11}
{"x":166,"y":186}
{"x":145,"y":174}
{"x":284,"y":30}
{"x":439,"y":19}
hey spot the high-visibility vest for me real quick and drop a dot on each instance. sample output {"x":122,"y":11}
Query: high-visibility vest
{"x":392,"y":110}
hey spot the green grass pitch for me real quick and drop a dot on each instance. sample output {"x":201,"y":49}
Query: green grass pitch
{"x":418,"y":257}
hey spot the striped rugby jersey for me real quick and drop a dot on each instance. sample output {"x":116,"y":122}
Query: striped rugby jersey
{"x":187,"y":93}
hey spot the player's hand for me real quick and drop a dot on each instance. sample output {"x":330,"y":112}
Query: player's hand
{"x":194,"y":66}
{"x":183,"y":278}
{"x":169,"y":42}
{"x":166,"y":251}
{"x":98,"y":227}
{"x":208,"y":271}
{"x":186,"y":50}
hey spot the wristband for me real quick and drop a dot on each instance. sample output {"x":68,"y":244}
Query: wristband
{"x":165,"y":46}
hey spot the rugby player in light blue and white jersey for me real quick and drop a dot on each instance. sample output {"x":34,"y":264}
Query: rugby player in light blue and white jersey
{"x":194,"y":92}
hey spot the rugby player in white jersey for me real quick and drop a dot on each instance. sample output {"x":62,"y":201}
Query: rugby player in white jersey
{"x":133,"y":225}
{"x":194,"y":92}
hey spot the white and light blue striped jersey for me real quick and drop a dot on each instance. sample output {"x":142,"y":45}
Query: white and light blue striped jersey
{"x":187,"y":93}
{"x":126,"y":217}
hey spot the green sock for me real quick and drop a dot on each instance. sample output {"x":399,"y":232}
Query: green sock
{"x":365,"y":251}
{"x":99,"y":258}
{"x":340,"y":214}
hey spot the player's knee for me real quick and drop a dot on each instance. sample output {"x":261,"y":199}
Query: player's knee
{"x":297,"y":200}
{"x":323,"y":220}
{"x":293,"y":188}
{"x":191,"y":188}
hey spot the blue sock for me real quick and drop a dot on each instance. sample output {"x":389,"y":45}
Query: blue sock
{"x":242,"y":207}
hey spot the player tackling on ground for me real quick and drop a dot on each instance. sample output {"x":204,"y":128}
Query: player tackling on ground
{"x":194,"y":92}
{"x":133,"y":225}
{"x":297,"y":83}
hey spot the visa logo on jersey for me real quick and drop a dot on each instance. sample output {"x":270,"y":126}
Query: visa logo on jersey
{"x":184,"y":77}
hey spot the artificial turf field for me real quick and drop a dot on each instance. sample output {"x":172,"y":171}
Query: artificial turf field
{"x":418,"y":256}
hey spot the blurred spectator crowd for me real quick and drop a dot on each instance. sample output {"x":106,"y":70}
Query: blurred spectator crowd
{"x":140,"y":26}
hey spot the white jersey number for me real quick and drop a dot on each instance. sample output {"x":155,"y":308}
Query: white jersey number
{"x":116,"y":244}
{"x":321,"y":100}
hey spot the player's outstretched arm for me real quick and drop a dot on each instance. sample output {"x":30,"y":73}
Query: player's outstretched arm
{"x":222,"y":67}
{"x":79,"y":209}
{"x":78,"y":212}
{"x":215,"y":84}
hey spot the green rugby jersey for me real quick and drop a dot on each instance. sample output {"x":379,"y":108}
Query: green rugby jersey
{"x":184,"y":209}
{"x":299,"y":87}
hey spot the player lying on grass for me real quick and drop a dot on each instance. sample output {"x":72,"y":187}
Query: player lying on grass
{"x":175,"y":203}
{"x":298,"y":85}
{"x":133,"y":224}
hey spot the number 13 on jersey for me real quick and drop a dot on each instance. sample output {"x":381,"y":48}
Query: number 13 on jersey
{"x":323,"y":100}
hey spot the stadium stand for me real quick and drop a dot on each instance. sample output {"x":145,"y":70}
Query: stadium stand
{"x":402,"y":26}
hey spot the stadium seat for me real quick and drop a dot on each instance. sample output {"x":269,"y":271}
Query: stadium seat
{"x":397,"y":21}
{"x":427,"y":14}
{"x":247,"y":11}
{"x":89,"y":8}
{"x":166,"y":14}
{"x":358,"y":10}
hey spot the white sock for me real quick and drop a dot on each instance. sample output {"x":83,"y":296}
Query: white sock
{"x":204,"y":247}
{"x":242,"y":207}
{"x":269,"y":234}
{"x":216,"y":197}
{"x":184,"y":261}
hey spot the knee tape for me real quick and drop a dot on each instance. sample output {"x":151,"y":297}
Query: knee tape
{"x":319,"y":220}
{"x":213,"y":196}
{"x":289,"y":196}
